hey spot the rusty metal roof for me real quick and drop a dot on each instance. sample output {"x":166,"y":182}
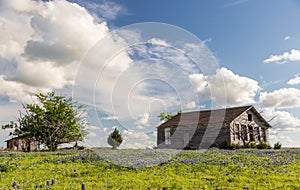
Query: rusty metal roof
{"x":206,"y":117}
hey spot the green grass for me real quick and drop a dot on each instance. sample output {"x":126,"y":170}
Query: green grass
{"x":153,"y":169}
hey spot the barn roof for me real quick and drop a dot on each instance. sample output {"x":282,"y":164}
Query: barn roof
{"x":13,"y":138}
{"x":206,"y":117}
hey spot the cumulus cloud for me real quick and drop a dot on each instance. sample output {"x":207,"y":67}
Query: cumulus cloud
{"x":134,"y":140}
{"x":281,"y":120}
{"x":281,"y":99}
{"x":17,"y":91}
{"x":135,"y":135}
{"x":44,"y":75}
{"x":293,"y":55}
{"x":226,"y":88}
{"x":295,"y":80}
{"x":143,"y":119}
{"x":42,"y":44}
{"x":157,"y":41}
{"x":285,"y":140}
{"x":55,"y":35}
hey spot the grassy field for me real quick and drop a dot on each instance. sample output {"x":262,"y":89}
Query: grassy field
{"x":152,"y":169}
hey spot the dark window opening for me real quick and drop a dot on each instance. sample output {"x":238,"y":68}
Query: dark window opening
{"x":251,"y":133}
{"x":244,"y":133}
{"x":258,"y":134}
{"x":249,"y":117}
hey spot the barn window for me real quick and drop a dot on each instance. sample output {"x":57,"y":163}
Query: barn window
{"x":258,"y":134}
{"x":264,"y":136}
{"x":236,"y":132}
{"x":251,"y":133}
{"x":249,"y":117}
{"x":244,"y":132}
{"x":167,"y":136}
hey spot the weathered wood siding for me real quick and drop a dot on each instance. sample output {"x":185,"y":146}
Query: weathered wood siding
{"x":199,"y":136}
{"x":243,"y":120}
{"x":22,"y":145}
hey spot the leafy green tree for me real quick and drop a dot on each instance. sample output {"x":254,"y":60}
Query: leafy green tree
{"x":115,"y":139}
{"x":52,"y":121}
{"x":165,"y":116}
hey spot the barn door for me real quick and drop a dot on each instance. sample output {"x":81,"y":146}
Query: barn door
{"x":186,"y":140}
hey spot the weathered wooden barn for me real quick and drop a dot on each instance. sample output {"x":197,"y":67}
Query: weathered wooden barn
{"x":204,"y":129}
{"x":21,"y":144}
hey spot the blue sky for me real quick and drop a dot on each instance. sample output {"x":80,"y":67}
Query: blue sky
{"x":252,"y":48}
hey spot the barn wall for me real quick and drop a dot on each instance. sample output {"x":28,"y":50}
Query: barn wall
{"x":199,"y":137}
{"x":243,"y":119}
{"x":22,"y":145}
{"x":160,"y":138}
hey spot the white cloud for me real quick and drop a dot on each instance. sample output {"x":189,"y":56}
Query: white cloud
{"x":293,"y":55}
{"x":108,"y":10}
{"x":283,"y":124}
{"x":45,"y":75}
{"x":281,"y":99}
{"x":226,"y":88}
{"x":55,"y":35}
{"x":91,"y":134}
{"x":281,"y":138}
{"x":92,"y":127}
{"x":202,"y":106}
{"x":157,"y":41}
{"x":154,"y":134}
{"x":287,"y":37}
{"x":140,"y":127}
{"x":295,"y":80}
{"x":135,"y":135}
{"x":190,"y":105}
{"x":42,"y":44}
{"x":113,"y":117}
{"x":18,"y":91}
{"x":143,"y":119}
{"x":285,"y":140}
{"x":281,"y":120}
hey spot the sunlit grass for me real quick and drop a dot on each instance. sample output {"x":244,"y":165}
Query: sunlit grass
{"x":152,"y":169}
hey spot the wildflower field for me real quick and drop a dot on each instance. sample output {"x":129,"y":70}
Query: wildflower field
{"x":152,"y":169}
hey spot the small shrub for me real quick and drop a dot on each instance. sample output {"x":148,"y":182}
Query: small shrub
{"x":252,"y":145}
{"x":236,"y":146}
{"x":228,"y":146}
{"x":224,"y":145}
{"x":277,"y":145}
{"x":263,"y":145}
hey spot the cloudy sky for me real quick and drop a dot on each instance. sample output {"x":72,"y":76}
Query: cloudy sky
{"x":127,"y":61}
